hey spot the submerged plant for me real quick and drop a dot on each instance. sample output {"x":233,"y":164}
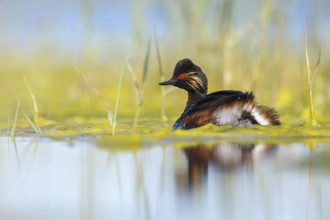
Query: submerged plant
{"x":311,"y":76}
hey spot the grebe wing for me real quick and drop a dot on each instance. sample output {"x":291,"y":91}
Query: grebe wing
{"x":227,"y":107}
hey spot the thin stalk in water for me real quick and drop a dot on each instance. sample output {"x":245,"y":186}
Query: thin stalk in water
{"x":310,"y":76}
{"x":114,"y":123}
{"x":35,"y":110}
{"x":13,"y":128}
{"x":144,"y":79}
{"x":98,"y":93}
{"x":162,"y":78}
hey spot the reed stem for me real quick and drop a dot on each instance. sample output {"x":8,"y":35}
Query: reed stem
{"x":162,"y":78}
{"x":114,"y":123}
{"x":310,"y":77}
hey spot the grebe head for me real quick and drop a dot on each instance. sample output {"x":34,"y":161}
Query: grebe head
{"x":189,"y":77}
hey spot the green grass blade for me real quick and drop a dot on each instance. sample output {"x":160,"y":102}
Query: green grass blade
{"x":146,"y":65}
{"x":35,"y":118}
{"x":35,"y":128}
{"x":114,"y":123}
{"x":8,"y":126}
{"x":35,"y":110}
{"x":162,"y":77}
{"x":110,"y":116}
{"x":307,"y":55}
{"x":317,"y":65}
{"x":312,"y":119}
{"x":135,"y":81}
{"x":159,"y":59}
{"x":141,"y":92}
{"x":137,"y":90}
{"x":318,"y":59}
{"x":33,"y":98}
{"x":13,"y":129}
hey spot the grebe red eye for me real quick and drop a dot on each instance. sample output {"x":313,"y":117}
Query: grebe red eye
{"x":181,"y":77}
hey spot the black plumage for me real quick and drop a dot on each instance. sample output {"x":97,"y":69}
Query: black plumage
{"x":227,"y":107}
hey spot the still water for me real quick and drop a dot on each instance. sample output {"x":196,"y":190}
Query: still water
{"x":45,"y":179}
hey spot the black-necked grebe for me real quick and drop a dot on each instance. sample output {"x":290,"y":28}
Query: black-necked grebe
{"x":227,"y":107}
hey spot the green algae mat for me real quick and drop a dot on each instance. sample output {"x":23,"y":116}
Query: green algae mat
{"x":153,"y":130}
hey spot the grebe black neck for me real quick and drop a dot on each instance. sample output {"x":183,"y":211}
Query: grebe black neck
{"x":193,"y":98}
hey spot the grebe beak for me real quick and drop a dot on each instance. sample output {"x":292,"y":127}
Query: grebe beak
{"x":168,"y":82}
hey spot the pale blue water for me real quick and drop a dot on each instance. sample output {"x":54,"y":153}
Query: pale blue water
{"x":43,"y":179}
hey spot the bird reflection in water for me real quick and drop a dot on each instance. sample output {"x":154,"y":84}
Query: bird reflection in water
{"x":223,"y":157}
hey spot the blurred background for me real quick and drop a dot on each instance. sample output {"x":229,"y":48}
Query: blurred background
{"x":61,"y":62}
{"x":258,"y":45}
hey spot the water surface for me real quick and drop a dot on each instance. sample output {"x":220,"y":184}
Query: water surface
{"x":46,"y":179}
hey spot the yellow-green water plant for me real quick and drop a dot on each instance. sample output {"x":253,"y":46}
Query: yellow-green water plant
{"x":8,"y":127}
{"x":139,"y":90}
{"x":310,"y":77}
{"x":33,"y":125}
{"x":14,"y":126}
{"x":110,"y":115}
{"x":13,"y":129}
{"x":35,"y":109}
{"x":114,"y":122}
{"x":162,"y":77}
